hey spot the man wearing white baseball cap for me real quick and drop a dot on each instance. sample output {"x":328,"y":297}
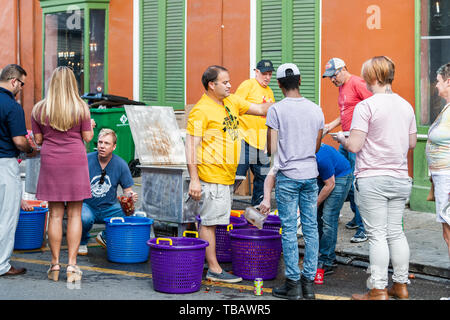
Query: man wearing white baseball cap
{"x":352,"y":90}
{"x":295,"y":126}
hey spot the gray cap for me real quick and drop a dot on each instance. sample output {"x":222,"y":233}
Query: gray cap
{"x":333,"y":65}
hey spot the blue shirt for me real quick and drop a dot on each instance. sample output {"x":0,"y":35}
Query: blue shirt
{"x":117,"y":172}
{"x":12,"y":124}
{"x":330,"y":162}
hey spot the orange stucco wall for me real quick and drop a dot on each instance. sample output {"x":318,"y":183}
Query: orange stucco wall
{"x":346,"y":34}
{"x":120,"y":50}
{"x":25,"y":18}
{"x":209,"y":43}
{"x":29,"y":48}
{"x":8,"y":18}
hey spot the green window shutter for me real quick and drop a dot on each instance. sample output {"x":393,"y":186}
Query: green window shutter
{"x":270,"y":39}
{"x":288,"y":32}
{"x":162,"y":55}
{"x":149,"y":65}
{"x":305,"y":46}
{"x":174,"y":82}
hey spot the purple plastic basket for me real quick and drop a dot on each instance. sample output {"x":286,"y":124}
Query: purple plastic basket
{"x":255,"y":253}
{"x":272,"y":222}
{"x":223,"y":242}
{"x":177,"y":263}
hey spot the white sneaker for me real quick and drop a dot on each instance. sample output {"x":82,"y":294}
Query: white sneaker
{"x":101,"y":240}
{"x":82,"y":250}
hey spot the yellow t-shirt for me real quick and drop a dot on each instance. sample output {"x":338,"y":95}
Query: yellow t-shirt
{"x":253,"y":128}
{"x":218,"y":156}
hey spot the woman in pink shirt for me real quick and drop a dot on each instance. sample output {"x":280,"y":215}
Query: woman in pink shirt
{"x":383,"y":130}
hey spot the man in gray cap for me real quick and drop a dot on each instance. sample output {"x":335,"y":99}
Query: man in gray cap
{"x":352,"y":90}
{"x":295,"y":127}
{"x":253,"y":129}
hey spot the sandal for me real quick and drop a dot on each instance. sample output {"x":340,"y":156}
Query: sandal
{"x":74,"y":274}
{"x":53,"y":274}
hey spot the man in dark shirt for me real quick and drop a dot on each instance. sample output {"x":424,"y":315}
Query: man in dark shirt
{"x":12,"y":141}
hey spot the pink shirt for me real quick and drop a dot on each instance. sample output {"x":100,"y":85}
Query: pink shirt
{"x":350,"y":94}
{"x":388,"y":120}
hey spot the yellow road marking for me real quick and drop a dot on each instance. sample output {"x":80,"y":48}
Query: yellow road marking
{"x":46,"y":248}
{"x":207,"y":283}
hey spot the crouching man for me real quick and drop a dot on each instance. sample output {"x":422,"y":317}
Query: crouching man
{"x":106,"y":172}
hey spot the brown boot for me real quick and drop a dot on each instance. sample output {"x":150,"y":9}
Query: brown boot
{"x":374,"y":294}
{"x":399,"y":291}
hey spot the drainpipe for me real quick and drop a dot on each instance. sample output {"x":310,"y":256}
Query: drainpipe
{"x":18,"y":44}
{"x":18,"y":31}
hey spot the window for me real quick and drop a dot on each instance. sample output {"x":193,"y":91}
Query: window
{"x":75,"y":36}
{"x":288,"y":31}
{"x":64,"y":44}
{"x":162,"y":54}
{"x":435,"y":51}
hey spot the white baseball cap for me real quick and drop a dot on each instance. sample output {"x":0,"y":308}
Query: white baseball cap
{"x":287,"y":70}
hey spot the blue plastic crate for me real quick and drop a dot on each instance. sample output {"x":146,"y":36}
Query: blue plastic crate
{"x":30,"y":229}
{"x":126,"y":239}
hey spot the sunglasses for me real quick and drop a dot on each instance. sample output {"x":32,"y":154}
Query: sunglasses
{"x":336,"y":74}
{"x":102,"y":177}
{"x":21,"y":82}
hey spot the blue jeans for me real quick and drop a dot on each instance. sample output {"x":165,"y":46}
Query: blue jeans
{"x":351,"y":157}
{"x":290,"y":194}
{"x":328,"y":219}
{"x":90,"y":215}
{"x":259,"y":164}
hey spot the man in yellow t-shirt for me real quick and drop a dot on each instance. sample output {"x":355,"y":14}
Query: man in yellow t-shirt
{"x":254,"y":130}
{"x":212,"y":154}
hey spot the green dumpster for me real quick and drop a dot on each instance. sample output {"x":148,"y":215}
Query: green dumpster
{"x":115,"y":119}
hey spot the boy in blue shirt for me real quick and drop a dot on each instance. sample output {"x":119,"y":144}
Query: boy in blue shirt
{"x":106,"y":172}
{"x":335,"y":181}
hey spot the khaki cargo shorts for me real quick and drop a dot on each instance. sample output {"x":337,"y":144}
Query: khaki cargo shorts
{"x":214,"y":206}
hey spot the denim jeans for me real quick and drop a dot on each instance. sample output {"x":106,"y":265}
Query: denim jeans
{"x":381,"y":200}
{"x":290,"y":195}
{"x":328,"y":219}
{"x":259,"y":164}
{"x":351,"y":157}
{"x":90,"y":215}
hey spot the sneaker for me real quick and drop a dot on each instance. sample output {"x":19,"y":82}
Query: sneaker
{"x":327,"y":270}
{"x":101,"y":240}
{"x":351,"y":225}
{"x":82,"y":250}
{"x":359,"y":236}
{"x":222,"y":277}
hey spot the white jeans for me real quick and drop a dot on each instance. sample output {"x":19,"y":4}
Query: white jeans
{"x":381,"y":202}
{"x":10,"y":196}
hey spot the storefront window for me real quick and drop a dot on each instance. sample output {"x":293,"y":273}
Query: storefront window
{"x":64,"y":44}
{"x":435,"y":51}
{"x":68,"y":43}
{"x":97,"y":50}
